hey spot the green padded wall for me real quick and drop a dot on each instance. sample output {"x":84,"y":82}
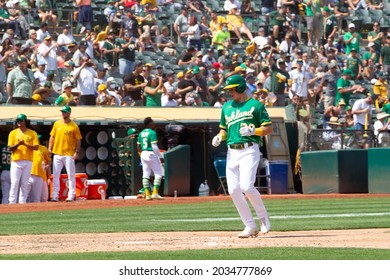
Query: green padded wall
{"x":320,"y":172}
{"x":177,"y":170}
{"x":378,"y":170}
{"x":353,"y":176}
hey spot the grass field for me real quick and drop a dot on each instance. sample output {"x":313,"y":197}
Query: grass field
{"x":285,"y":214}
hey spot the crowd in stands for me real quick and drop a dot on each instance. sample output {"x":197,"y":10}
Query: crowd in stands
{"x":312,"y":55}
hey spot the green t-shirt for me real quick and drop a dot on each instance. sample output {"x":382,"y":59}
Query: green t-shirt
{"x":385,"y":54}
{"x":146,"y":138}
{"x":354,"y":42}
{"x":317,"y":8}
{"x":4,"y":13}
{"x":108,"y":57}
{"x":386,"y":108}
{"x":276,"y":19}
{"x":377,"y":42}
{"x":153,"y":100}
{"x":353,"y":65}
{"x":279,"y":80}
{"x":329,"y":24}
{"x":341,"y":83}
{"x":5,"y":158}
{"x":221,"y":37}
{"x":368,"y":55}
{"x":236,"y":115}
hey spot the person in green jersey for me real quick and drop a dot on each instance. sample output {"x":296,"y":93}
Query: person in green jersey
{"x":344,"y":87}
{"x":243,"y":122}
{"x":352,"y":39}
{"x":5,"y":172}
{"x":385,"y":55}
{"x":355,"y":65}
{"x":151,"y":159}
{"x":153,"y":91}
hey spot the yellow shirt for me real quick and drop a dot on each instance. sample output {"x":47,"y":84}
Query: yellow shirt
{"x":22,"y":152}
{"x":234,"y":21}
{"x":380,"y":89}
{"x":217,"y":25}
{"x":40,"y":156}
{"x":65,"y":138}
{"x":152,"y":3}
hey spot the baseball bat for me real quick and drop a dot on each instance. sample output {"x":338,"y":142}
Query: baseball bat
{"x":365,"y":135}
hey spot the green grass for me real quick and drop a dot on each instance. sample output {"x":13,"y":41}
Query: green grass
{"x":267,"y":253}
{"x":286,"y":215}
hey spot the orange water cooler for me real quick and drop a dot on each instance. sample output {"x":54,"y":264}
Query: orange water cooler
{"x":96,"y":188}
{"x":81,"y":190}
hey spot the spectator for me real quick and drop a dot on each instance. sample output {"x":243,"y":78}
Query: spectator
{"x":72,"y":48}
{"x":371,"y":54}
{"x":134,"y":84}
{"x":267,"y":6}
{"x":15,"y":10}
{"x":180,"y":26}
{"x":380,"y":90}
{"x":299,"y":81}
{"x":48,"y":51}
{"x":222,"y":39}
{"x":22,"y":142}
{"x":329,"y":80}
{"x":65,"y":38}
{"x":229,"y":4}
{"x":355,"y":65}
{"x":236,"y":23}
{"x":313,"y":21}
{"x":280,"y":80}
{"x":85,"y":75}
{"x":153,"y":91}
{"x":45,"y":12}
{"x":41,"y":73}
{"x":201,"y":83}
{"x":369,"y":70}
{"x":186,"y":57}
{"x":208,"y":59}
{"x":9,"y":22}
{"x":381,"y":126}
{"x":198,"y":6}
{"x":103,"y":98}
{"x":149,"y":22}
{"x":330,"y":24}
{"x":215,"y":84}
{"x":260,"y":40}
{"x":20,"y":83}
{"x":333,"y":135}
{"x":186,"y":85}
{"x":85,"y":15}
{"x":169,"y":97}
{"x":193,"y":34}
{"x":277,"y":21}
{"x":385,"y":55}
{"x":64,"y":143}
{"x":32,"y":42}
{"x":344,"y":88}
{"x":216,"y":23}
{"x":42,"y":32}
{"x":152,"y":5}
{"x":287,"y":46}
{"x":361,"y":110}
{"x":111,"y":53}
{"x":164,"y":43}
{"x":146,"y":43}
{"x":79,"y":53}
{"x":352,"y":39}
{"x":128,"y":48}
{"x":334,"y":111}
{"x":66,"y":97}
{"x":130,"y":24}
{"x":110,"y":10}
{"x":222,"y":99}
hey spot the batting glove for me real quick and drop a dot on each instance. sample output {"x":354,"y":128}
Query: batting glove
{"x":217,"y":140}
{"x":247,"y":131}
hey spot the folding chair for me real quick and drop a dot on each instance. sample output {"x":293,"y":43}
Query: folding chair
{"x":220,"y":168}
{"x":263,"y":175}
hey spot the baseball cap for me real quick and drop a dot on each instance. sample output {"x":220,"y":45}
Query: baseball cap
{"x":180,"y":75}
{"x":41,"y":62}
{"x":66,"y":109}
{"x":138,"y":64}
{"x":188,"y":70}
{"x":195,"y":69}
{"x":149,"y":65}
{"x":111,"y":80}
{"x":66,"y":26}
{"x":371,"y":44}
{"x":353,"y":50}
{"x":351,"y":25}
{"x":299,"y":51}
{"x":111,"y":31}
{"x":159,"y":66}
{"x":20,"y":59}
{"x":72,"y":44}
{"x":299,"y":61}
{"x":83,"y":44}
{"x":102,"y":87}
{"x":210,"y":50}
{"x":341,"y":102}
{"x":281,"y":61}
{"x":36,"y":97}
{"x":131,"y":131}
{"x":326,"y":9}
{"x":69,"y":63}
{"x":332,"y":64}
{"x":216,"y":65}
{"x":66,"y":84}
{"x":199,"y":54}
{"x":347,"y":72}
{"x":214,"y":71}
{"x":383,"y":74}
{"x":21,"y":117}
{"x":48,"y":37}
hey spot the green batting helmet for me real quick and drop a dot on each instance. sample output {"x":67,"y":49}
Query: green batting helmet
{"x":131,"y":131}
{"x":21,"y":117}
{"x":236,"y":81}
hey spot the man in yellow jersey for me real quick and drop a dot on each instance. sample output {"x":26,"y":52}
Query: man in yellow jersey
{"x":37,"y":186}
{"x":64,"y":143}
{"x":22,"y":142}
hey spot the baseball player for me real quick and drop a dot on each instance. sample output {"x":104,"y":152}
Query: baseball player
{"x":38,"y":176}
{"x":22,"y":142}
{"x":64,"y":143}
{"x":243,"y":121}
{"x":5,"y":173}
{"x":151,"y":159}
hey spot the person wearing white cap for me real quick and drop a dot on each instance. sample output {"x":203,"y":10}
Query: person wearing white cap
{"x":229,"y":4}
{"x":352,"y":39}
{"x":381,"y":126}
{"x":371,"y":53}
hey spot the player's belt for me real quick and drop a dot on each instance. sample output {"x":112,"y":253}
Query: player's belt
{"x":240,"y":146}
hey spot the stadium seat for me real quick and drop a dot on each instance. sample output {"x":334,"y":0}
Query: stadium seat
{"x":220,"y":168}
{"x":263,"y":177}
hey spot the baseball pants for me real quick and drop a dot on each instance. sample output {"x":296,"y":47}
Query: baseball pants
{"x":20,"y":173}
{"x":241,"y":169}
{"x":45,"y":192}
{"x":58,"y":163}
{"x":150,"y":164}
{"x":35,"y":184}
{"x":5,"y":185}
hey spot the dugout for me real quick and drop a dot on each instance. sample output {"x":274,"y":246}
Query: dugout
{"x":101,"y":128}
